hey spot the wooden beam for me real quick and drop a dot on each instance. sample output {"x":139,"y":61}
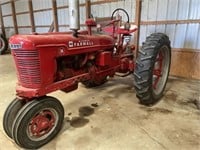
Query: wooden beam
{"x":14,"y":16}
{"x":137,"y":23}
{"x":2,"y":23}
{"x":88,"y":8}
{"x":55,"y":16}
{"x":30,"y":5}
{"x":103,"y":2}
{"x":5,"y":3}
{"x":42,"y":26}
{"x":170,"y":22}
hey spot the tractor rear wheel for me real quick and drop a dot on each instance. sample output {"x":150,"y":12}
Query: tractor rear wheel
{"x":3,"y":44}
{"x":10,"y":114}
{"x":38,"y":122}
{"x":152,"y":68}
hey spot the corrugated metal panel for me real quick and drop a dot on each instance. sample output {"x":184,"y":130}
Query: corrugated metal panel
{"x":82,"y":15}
{"x":152,"y":10}
{"x":63,"y":16}
{"x":42,"y":30}
{"x":194,"y":9}
{"x":191,"y":36}
{"x":41,"y":4}
{"x":8,"y":21}
{"x":23,"y":20}
{"x":6,"y":9}
{"x":162,"y":7}
{"x":181,"y":35}
{"x":106,"y":9}
{"x":62,"y":2}
{"x":63,"y":29}
{"x":21,"y":6}
{"x":24,"y":30}
{"x":43,"y":18}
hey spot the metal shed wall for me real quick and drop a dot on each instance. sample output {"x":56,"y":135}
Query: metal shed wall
{"x":181,"y":35}
{"x":43,"y":15}
{"x":179,"y":19}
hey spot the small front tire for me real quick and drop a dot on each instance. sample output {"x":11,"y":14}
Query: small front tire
{"x":38,"y":122}
{"x":10,"y":114}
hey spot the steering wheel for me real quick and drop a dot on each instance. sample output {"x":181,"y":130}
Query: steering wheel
{"x":119,"y":12}
{"x":119,"y":19}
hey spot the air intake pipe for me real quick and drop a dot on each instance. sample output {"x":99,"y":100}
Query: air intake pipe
{"x":74,"y":16}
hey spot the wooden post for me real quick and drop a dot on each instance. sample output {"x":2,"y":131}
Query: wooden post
{"x":30,"y":5}
{"x":2,"y":22}
{"x":88,"y":8}
{"x":137,"y":22}
{"x":12,"y":2}
{"x":55,"y":16}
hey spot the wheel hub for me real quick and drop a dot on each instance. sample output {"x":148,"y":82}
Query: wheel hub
{"x":157,"y":72}
{"x":42,"y":123}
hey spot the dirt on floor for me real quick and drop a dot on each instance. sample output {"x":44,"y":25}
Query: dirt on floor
{"x":110,"y":117}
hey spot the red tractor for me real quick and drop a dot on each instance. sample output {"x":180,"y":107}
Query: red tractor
{"x":59,"y":61}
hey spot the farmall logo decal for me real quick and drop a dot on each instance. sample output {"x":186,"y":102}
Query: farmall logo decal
{"x":81,"y":43}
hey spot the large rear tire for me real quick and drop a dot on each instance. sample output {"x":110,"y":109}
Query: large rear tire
{"x":152,"y":68}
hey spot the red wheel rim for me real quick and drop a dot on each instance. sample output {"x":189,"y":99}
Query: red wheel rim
{"x":161,"y":70}
{"x":41,"y":125}
{"x":157,"y":72}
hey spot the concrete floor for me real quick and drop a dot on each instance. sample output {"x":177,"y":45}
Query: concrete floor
{"x":109,"y":117}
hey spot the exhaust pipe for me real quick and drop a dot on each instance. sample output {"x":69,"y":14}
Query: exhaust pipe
{"x":74,"y":16}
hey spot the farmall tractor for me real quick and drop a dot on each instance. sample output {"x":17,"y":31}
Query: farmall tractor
{"x":59,"y":61}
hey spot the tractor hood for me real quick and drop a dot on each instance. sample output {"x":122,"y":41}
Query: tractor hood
{"x":68,"y":41}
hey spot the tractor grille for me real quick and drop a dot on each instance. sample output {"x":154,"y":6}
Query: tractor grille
{"x":28,"y":66}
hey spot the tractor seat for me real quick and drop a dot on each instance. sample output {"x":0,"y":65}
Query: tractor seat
{"x":123,"y":30}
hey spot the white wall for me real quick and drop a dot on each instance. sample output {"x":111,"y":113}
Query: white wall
{"x":181,"y":35}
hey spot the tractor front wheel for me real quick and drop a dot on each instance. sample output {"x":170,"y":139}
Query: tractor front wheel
{"x":152,"y":68}
{"x":38,"y":122}
{"x":10,"y":114}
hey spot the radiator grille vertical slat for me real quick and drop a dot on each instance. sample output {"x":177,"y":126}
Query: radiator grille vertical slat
{"x":28,"y":66}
